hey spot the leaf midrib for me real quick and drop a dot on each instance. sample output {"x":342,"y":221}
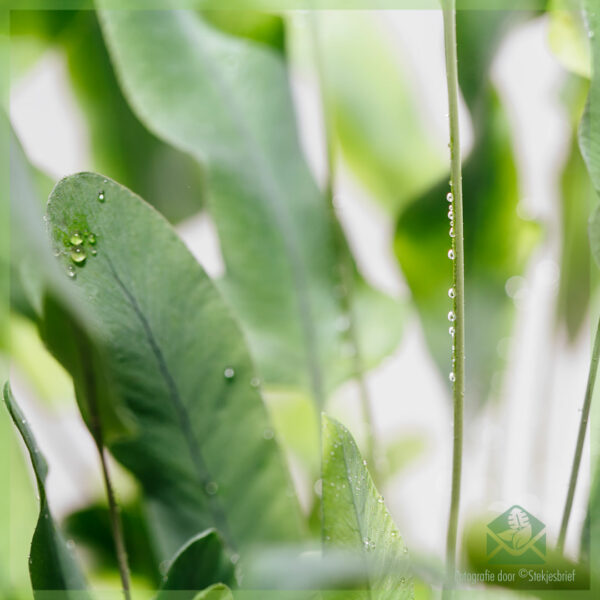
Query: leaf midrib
{"x":201,"y":470}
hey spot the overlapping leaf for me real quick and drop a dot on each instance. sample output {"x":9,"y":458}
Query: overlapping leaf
{"x":171,"y":354}
{"x":52,"y":565}
{"x":227,"y":102}
{"x":356,"y":520}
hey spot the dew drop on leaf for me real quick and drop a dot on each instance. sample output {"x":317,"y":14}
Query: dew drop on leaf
{"x":211,"y":488}
{"x":451,"y":316}
{"x":71,"y":272}
{"x":255,"y":382}
{"x":229,"y":373}
{"x":91,"y":238}
{"x":451,"y":254}
{"x":76,"y":239}
{"x":451,"y":293}
{"x":101,"y":197}
{"x":78,"y":255}
{"x":449,"y":197}
{"x":452,"y":376}
{"x":452,"y":331}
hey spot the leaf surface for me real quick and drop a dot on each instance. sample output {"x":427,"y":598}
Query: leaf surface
{"x":355,"y":518}
{"x":200,"y":563}
{"x":172,"y":355}
{"x":52,"y":565}
{"x":227,"y":102}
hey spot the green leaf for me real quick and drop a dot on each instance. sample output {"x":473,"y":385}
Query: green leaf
{"x":497,"y":241}
{"x":177,"y":361}
{"x":589,"y":132}
{"x":200,"y":563}
{"x":381,"y":133}
{"x":215,"y":592}
{"x":227,"y":102}
{"x":355,"y":518}
{"x":52,"y":565}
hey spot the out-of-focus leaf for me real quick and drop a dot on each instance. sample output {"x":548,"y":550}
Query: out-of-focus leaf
{"x":122,"y":147}
{"x":497,"y":241}
{"x":589,"y":132}
{"x":227,"y":102}
{"x":568,"y":36}
{"x":261,"y":27}
{"x":578,"y":197}
{"x":380,"y":131}
{"x":215,"y":592}
{"x":355,"y":518}
{"x":90,"y":529}
{"x":200,"y":563}
{"x":177,"y":361}
{"x":52,"y":565}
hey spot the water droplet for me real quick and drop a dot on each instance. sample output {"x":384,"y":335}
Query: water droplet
{"x":364,"y":463}
{"x":91,"y":238}
{"x":449,"y":197}
{"x":451,"y":331}
{"x":78,"y":255}
{"x":211,"y":488}
{"x":229,"y":373}
{"x":451,"y":316}
{"x":451,"y":254}
{"x":452,"y":377}
{"x":93,"y":252}
{"x":234,"y":559}
{"x":268,"y":433}
{"x":451,"y":293}
{"x":451,"y":214}
{"x":255,"y":382}
{"x":101,"y":197}
{"x":380,"y":500}
{"x":451,"y":232}
{"x":76,"y":239}
{"x":71,"y":272}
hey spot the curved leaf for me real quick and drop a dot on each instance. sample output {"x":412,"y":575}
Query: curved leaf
{"x":176,"y":360}
{"x":355,"y":518}
{"x":227,"y":102}
{"x":201,"y":563}
{"x":52,"y":565}
{"x":215,"y":592}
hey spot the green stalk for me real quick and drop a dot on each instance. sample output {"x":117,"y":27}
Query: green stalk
{"x":342,"y":252}
{"x":585,"y":416}
{"x":98,"y":436}
{"x":458,"y":276}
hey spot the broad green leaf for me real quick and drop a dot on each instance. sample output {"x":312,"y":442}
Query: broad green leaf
{"x":200,"y":563}
{"x":497,"y":241}
{"x":227,"y":102}
{"x":177,"y":361}
{"x":215,"y":592}
{"x":355,"y":518}
{"x":377,"y":124}
{"x":52,"y":565}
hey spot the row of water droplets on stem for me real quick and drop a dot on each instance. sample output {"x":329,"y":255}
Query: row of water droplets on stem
{"x":452,"y":291}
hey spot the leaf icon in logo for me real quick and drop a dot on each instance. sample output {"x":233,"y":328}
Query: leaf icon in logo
{"x":520,"y":529}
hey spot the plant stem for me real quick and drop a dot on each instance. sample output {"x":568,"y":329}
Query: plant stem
{"x":96,"y":428}
{"x":458,"y":354}
{"x":585,"y":415}
{"x":342,"y":252}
